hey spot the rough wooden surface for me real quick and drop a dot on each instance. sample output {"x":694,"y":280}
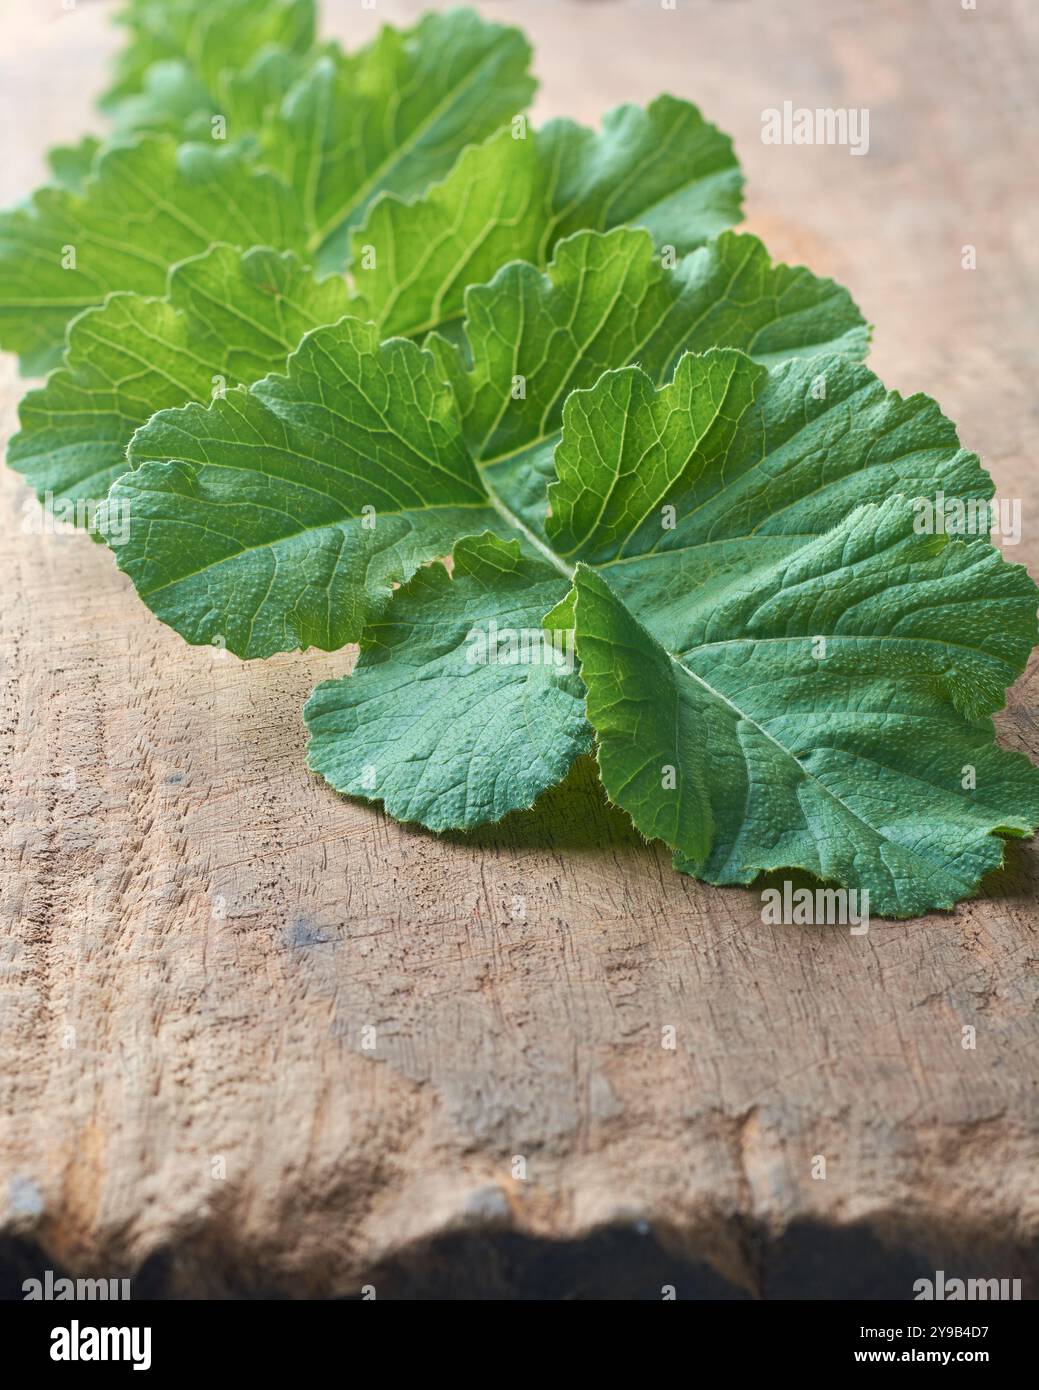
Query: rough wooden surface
{"x":195,"y":933}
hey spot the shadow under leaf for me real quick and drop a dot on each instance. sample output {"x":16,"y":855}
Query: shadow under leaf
{"x":575,"y":815}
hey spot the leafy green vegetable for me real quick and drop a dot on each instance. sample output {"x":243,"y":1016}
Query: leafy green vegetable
{"x":659,"y":455}
{"x":282,"y":516}
{"x":147,"y":205}
{"x":521,"y":191}
{"x":758,"y":679}
{"x":441,"y":738}
{"x":824,"y":713}
{"x":389,"y":118}
{"x":736,"y":273}
{"x":226,"y":320}
{"x":205,"y":39}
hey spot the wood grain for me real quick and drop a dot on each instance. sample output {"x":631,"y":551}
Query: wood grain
{"x":196,"y":933}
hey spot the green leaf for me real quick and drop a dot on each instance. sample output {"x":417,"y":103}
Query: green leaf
{"x":392,"y":116}
{"x":282,"y":516}
{"x":147,"y":205}
{"x":460,"y":708}
{"x":825,"y":714}
{"x":515,"y":196}
{"x":207,"y":38}
{"x":340,"y":128}
{"x":677,"y":489}
{"x":226,"y":320}
{"x":674,"y":495}
{"x":531,"y":338}
{"x":343,"y":128}
{"x":335,"y":418}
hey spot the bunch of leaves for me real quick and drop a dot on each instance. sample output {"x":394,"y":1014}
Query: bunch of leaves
{"x":578,"y":467}
{"x":775,"y":669}
{"x":129,"y":313}
{"x":306,"y":141}
{"x":328,"y":155}
{"x":180,"y":49}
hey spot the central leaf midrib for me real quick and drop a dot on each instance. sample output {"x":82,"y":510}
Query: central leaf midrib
{"x":530,"y":536}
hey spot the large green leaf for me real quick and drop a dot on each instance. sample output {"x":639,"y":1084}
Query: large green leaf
{"x":675,"y":490}
{"x":826,"y":713}
{"x":281,"y":517}
{"x":671,"y":497}
{"x":516,"y":195}
{"x":322,"y":566}
{"x":392,"y":116}
{"x":226,"y":320}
